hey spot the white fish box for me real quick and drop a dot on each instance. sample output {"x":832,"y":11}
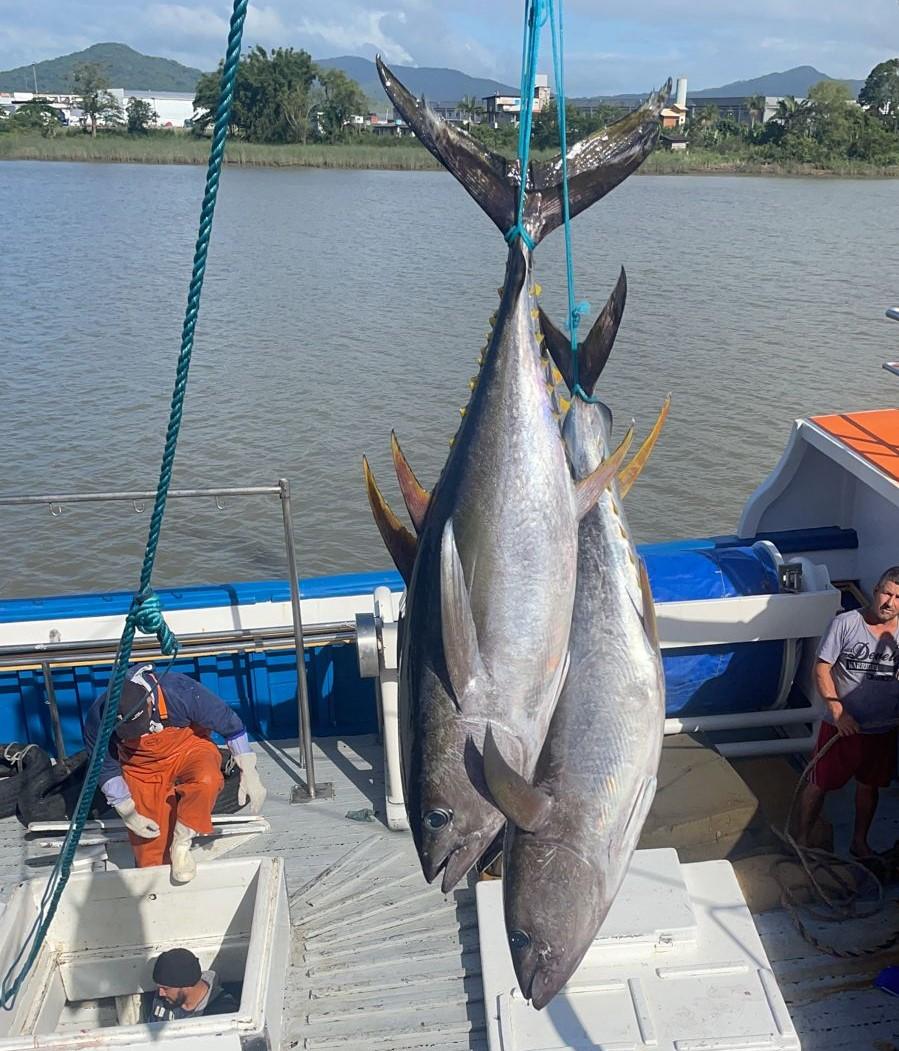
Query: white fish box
{"x":107,"y":932}
{"x":652,"y":978}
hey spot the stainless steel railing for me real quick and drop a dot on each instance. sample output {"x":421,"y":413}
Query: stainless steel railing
{"x":55,"y":653}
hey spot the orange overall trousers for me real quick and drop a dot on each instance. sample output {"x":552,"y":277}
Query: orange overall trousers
{"x":174,"y":775}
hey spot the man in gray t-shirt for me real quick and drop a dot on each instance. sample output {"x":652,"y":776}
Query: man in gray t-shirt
{"x":856,"y":676}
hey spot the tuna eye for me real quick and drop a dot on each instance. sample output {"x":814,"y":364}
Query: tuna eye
{"x":438,"y":819}
{"x":519,"y":940}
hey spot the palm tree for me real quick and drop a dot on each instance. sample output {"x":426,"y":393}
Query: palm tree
{"x":471,"y":108}
{"x":756,"y":106}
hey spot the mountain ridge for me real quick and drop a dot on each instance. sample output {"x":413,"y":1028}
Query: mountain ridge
{"x":128,"y":68}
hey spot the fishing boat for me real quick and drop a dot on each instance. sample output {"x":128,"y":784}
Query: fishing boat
{"x":320,"y":915}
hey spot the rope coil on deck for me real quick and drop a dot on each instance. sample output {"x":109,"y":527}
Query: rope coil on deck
{"x":842,"y":905}
{"x":145,"y":614}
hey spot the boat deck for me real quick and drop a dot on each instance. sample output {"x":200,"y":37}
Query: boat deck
{"x":382,"y":961}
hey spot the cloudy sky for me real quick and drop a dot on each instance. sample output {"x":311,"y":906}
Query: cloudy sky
{"x":612,"y":45}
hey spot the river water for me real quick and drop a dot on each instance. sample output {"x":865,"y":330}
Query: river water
{"x":339,"y":305}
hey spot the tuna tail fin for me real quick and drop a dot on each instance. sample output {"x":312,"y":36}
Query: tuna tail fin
{"x":521,"y":803}
{"x":594,"y":352}
{"x":397,"y":539}
{"x":415,"y":496}
{"x":596,"y":164}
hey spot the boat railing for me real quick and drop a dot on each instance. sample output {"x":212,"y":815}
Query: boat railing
{"x":293,"y":636}
{"x":892,"y":366}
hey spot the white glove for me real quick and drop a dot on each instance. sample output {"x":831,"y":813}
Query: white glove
{"x":250,"y":788}
{"x":135,"y":822}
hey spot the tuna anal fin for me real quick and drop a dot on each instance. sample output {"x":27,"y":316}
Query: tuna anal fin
{"x":460,"y":637}
{"x":416,"y":497}
{"x":398,"y":540}
{"x":521,"y":803}
{"x":590,"y":488}
{"x":632,"y":472}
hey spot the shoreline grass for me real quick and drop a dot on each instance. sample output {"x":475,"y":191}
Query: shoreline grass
{"x":395,"y":156}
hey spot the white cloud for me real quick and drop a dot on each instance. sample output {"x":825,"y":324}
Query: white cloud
{"x":187,"y":21}
{"x":356,"y":30}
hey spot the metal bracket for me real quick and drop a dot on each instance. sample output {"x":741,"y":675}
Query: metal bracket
{"x":791,"y":576}
{"x":323,"y":790}
{"x":368,"y":648}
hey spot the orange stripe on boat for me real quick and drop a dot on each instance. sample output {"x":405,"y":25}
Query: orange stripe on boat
{"x":873,"y":435}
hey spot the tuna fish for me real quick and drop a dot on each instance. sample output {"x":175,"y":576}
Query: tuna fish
{"x":492,"y":571}
{"x":572,"y":831}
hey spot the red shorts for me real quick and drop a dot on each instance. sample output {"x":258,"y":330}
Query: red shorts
{"x":869,"y":758}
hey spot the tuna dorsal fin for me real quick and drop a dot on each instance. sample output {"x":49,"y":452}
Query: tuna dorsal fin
{"x":416,"y":497}
{"x":649,"y":607}
{"x":521,"y":803}
{"x":460,"y":637}
{"x":398,"y":540}
{"x":595,"y":165}
{"x":631,"y":473}
{"x":594,"y":352}
{"x":590,"y":488}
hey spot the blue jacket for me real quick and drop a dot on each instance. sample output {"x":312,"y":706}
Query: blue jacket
{"x":187,"y":702}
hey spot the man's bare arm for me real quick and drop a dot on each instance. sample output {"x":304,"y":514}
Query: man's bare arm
{"x":828,"y":691}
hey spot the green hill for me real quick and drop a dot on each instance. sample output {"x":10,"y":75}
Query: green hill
{"x":125,"y":67}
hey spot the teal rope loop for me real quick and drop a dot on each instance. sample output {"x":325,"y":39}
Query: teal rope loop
{"x":535,"y":15}
{"x":146,"y":613}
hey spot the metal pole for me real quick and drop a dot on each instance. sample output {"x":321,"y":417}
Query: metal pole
{"x":50,"y":690}
{"x":305,"y":724}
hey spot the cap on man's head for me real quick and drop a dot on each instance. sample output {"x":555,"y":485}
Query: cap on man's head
{"x":134,"y":713}
{"x":177,"y":969}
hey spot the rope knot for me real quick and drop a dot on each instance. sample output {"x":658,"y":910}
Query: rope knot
{"x":146,"y":616}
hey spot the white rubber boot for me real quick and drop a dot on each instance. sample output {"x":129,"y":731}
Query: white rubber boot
{"x":184,"y":868}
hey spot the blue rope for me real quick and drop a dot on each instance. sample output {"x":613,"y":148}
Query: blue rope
{"x":575,"y":310}
{"x":145,"y":614}
{"x":535,"y":15}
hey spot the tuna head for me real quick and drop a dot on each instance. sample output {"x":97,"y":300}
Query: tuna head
{"x":452,"y":817}
{"x":551,"y":925}
{"x":451,"y":812}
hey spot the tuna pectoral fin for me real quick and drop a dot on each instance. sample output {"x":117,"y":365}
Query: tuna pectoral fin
{"x":490,"y":179}
{"x":399,"y":541}
{"x":521,"y":803}
{"x":415,"y":496}
{"x":649,"y":607}
{"x":460,"y":637}
{"x":594,"y":352}
{"x":632,"y":472}
{"x":590,"y":488}
{"x":636,"y":819}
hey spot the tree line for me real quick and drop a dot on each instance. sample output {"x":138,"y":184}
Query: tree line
{"x":820,"y":129}
{"x":280,"y":96}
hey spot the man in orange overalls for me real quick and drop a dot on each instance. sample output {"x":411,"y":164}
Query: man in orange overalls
{"x":162,"y":774}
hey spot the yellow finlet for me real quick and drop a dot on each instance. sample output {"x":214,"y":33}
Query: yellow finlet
{"x":628,"y":475}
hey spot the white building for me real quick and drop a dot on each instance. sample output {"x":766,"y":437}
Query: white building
{"x":173,"y":109}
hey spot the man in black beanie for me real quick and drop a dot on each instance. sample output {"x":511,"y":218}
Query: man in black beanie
{"x":184,"y":990}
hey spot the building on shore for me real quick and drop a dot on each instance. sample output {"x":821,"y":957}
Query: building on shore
{"x":506,"y":109}
{"x":172,"y":109}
